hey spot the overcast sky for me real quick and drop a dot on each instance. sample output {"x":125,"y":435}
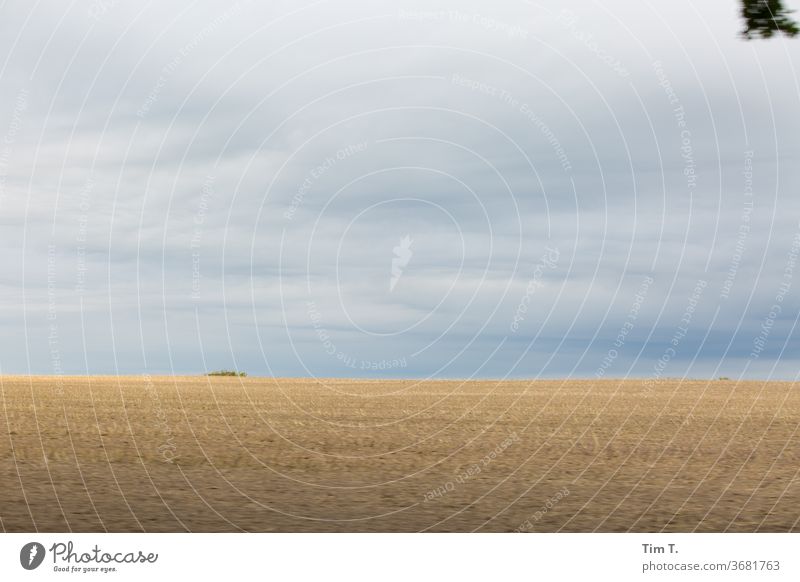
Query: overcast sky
{"x":403,"y":189}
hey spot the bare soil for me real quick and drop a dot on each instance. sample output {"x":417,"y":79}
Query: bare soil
{"x":229,"y":454}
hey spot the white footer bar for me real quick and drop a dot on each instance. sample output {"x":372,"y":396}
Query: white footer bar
{"x":400,"y":557}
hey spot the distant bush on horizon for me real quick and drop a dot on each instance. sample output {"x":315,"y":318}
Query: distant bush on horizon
{"x":227,"y":373}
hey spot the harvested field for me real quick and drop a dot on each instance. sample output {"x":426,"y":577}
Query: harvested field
{"x":231,"y":454}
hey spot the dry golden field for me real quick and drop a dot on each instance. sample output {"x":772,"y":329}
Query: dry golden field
{"x":229,"y":454}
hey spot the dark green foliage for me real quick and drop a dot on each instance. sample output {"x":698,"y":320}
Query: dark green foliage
{"x":764,"y":18}
{"x":228,"y":373}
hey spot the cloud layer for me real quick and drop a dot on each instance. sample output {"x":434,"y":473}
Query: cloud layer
{"x":373,"y":189}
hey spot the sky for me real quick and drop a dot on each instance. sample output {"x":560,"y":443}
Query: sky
{"x":398,"y":189}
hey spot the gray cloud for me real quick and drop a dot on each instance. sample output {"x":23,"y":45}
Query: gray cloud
{"x":228,"y":183}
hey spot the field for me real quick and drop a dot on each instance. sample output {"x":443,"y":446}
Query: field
{"x":231,"y":454}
